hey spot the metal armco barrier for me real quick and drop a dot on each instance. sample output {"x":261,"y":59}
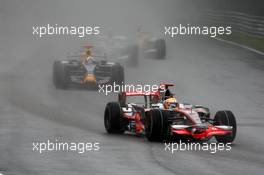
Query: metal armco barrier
{"x":242,"y":22}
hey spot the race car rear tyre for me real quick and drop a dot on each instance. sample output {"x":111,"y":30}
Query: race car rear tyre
{"x":226,"y":118}
{"x":118,"y":74}
{"x":59,"y":75}
{"x":112,"y":118}
{"x":161,"y":49}
{"x":156,"y":125}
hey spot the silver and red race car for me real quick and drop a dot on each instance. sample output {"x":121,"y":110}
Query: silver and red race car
{"x":160,"y":117}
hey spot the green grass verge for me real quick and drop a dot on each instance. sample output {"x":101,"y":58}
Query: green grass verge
{"x":248,"y":40}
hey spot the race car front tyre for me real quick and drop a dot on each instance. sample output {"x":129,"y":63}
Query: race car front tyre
{"x":118,"y":74}
{"x":112,"y":118}
{"x":226,"y":118}
{"x":59,"y":75}
{"x":161,"y":49}
{"x":156,"y":125}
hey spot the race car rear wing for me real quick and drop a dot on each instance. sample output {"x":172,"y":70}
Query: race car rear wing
{"x":81,"y":55}
{"x":166,"y":84}
{"x":140,"y":93}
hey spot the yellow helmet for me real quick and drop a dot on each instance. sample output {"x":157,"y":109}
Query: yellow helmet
{"x":170,"y":103}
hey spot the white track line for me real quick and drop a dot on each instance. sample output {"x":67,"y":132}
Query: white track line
{"x":240,"y":45}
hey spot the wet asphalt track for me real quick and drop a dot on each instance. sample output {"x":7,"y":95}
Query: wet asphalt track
{"x":206,"y":72}
{"x":32,"y":110}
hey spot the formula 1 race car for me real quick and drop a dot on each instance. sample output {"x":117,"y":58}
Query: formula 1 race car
{"x":151,"y":46}
{"x":126,"y":50}
{"x":87,"y":71}
{"x":143,"y":113}
{"x":118,"y":49}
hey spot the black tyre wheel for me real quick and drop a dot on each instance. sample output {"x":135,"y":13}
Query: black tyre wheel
{"x":161,"y":49}
{"x":59,"y":75}
{"x":118,"y":75}
{"x":112,"y":118}
{"x":156,"y":125}
{"x":226,"y":118}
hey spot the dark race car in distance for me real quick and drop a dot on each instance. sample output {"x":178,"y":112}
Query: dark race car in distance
{"x":86,"y":71}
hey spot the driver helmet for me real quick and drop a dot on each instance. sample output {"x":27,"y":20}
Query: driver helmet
{"x":170,"y":103}
{"x":88,"y":53}
{"x":87,"y":56}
